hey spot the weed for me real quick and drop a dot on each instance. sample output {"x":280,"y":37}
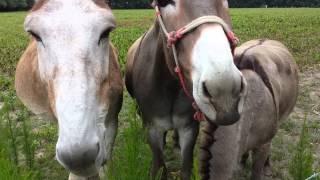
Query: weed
{"x":132,"y":157}
{"x":301,"y":164}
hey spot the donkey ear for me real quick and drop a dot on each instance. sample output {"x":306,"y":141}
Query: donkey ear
{"x":243,"y":94}
{"x":153,"y":3}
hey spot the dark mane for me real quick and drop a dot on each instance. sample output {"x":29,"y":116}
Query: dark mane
{"x":207,"y":140}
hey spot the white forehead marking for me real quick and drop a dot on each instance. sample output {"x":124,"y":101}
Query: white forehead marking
{"x":212,"y":51}
{"x":66,"y":11}
{"x":72,"y":10}
{"x":69,"y":29}
{"x":211,"y":57}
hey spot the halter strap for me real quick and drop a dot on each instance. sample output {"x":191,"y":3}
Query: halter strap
{"x":174,"y":36}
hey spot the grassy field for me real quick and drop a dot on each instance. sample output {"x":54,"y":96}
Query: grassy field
{"x":27,"y":143}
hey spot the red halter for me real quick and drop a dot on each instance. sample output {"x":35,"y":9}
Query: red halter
{"x":174,"y":36}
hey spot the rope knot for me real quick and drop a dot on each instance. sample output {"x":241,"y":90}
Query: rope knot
{"x":173,"y":37}
{"x":233,"y":39}
{"x":198,"y":115}
{"x":177,"y":70}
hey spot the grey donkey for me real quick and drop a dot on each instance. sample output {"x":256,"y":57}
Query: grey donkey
{"x":272,"y":89}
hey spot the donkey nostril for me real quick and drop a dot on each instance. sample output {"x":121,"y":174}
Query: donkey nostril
{"x":205,"y":90}
{"x":78,"y":157}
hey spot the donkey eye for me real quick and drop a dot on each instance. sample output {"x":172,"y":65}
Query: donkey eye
{"x":105,"y":34}
{"x":163,"y":3}
{"x":35,"y":36}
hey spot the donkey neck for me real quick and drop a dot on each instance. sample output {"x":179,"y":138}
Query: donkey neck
{"x":161,"y":62}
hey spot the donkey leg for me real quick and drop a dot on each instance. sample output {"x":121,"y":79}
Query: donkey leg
{"x":187,"y":140}
{"x":156,"y":141}
{"x":268,"y":167}
{"x":175,"y":138}
{"x":244,"y":159}
{"x":75,"y":177}
{"x":260,"y":156}
{"x":96,"y":177}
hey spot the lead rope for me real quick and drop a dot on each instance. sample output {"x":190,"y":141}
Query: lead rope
{"x":174,"y":36}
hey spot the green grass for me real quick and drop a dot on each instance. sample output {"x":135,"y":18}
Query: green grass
{"x":16,"y":140}
{"x":131,"y":148}
{"x":302,"y":161}
{"x":27,"y":143}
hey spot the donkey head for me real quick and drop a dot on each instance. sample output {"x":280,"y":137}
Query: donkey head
{"x":73,"y":60}
{"x":206,"y":58}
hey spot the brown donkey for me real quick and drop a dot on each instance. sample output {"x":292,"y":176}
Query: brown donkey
{"x":166,"y":72}
{"x":70,"y":72}
{"x":272,"y":84}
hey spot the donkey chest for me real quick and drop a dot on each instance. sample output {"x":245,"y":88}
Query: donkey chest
{"x":173,"y":121}
{"x":176,"y":114}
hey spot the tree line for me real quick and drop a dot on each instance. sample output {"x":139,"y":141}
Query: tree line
{"x":274,"y":3}
{"x":12,"y":5}
{"x":6,"y":5}
{"x":232,"y":3}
